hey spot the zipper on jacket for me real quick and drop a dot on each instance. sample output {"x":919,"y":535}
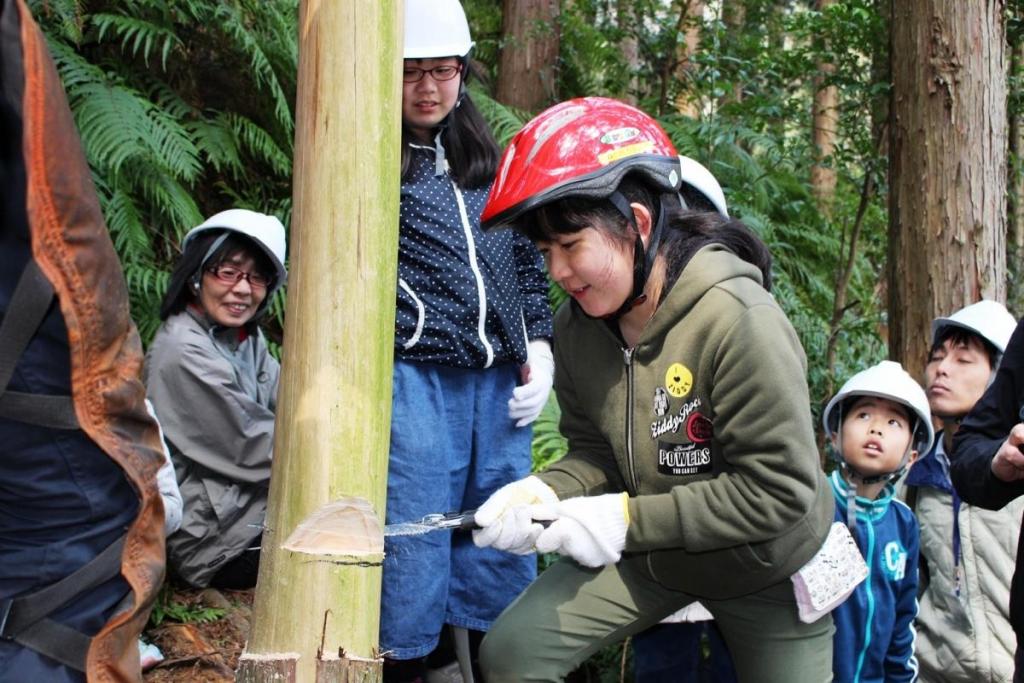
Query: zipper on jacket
{"x":630,"y":467}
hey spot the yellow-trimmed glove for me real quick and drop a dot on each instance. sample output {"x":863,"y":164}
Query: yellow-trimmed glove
{"x":589,"y":529}
{"x":505,"y":517}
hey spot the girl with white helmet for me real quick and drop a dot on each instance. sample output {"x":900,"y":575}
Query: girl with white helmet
{"x":691,"y":472}
{"x":878,"y":423}
{"x":967,"y":553}
{"x":213,"y":385}
{"x":473,"y":364}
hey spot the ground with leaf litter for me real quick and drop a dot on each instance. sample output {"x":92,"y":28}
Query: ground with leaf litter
{"x":201,"y":633}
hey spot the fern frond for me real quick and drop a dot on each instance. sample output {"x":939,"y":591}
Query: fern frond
{"x":505,"y":121}
{"x":142,"y":35}
{"x":260,"y":144}
{"x":215,"y":139}
{"x":166,"y":194}
{"x":229,"y":20}
{"x":75,"y":71}
{"x":113,"y":123}
{"x":127,"y":229}
{"x":65,"y":15}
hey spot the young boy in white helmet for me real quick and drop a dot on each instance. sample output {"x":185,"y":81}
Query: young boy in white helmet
{"x":967,"y":553}
{"x":878,"y":423}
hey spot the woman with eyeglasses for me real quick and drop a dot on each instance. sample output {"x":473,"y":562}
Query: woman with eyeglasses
{"x":213,"y":384}
{"x":473,"y":364}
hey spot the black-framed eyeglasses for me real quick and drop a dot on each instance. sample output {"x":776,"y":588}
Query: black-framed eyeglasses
{"x":445,"y":72}
{"x":230,"y":275}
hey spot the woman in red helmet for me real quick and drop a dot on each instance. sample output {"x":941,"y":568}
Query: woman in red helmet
{"x":692,"y":471}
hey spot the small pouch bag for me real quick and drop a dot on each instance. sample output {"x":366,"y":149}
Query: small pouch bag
{"x":830,"y":576}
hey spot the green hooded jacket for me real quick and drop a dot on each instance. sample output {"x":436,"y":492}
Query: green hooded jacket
{"x":705,"y":422}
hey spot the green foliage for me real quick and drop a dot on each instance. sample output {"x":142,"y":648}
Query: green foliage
{"x":548,"y":443}
{"x":166,"y":607}
{"x":185,"y":108}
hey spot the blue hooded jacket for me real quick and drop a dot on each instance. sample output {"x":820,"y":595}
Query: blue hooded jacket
{"x":874,"y":641}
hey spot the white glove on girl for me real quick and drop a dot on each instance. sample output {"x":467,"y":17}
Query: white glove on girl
{"x":539,"y":374}
{"x":506,"y":516}
{"x":589,"y":529}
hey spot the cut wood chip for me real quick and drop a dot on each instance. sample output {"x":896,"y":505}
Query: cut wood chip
{"x":347,"y":526}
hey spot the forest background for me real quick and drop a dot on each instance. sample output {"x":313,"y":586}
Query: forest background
{"x":187,"y":107}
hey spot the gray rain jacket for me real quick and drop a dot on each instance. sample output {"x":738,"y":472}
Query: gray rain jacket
{"x":216,"y":398}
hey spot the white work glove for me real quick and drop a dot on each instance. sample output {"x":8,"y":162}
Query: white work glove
{"x":589,"y":529}
{"x":505,"y":516}
{"x":538,"y":375}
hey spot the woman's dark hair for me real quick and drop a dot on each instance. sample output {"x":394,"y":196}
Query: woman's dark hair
{"x":469,"y":145}
{"x":187,"y":271}
{"x":686,"y":229}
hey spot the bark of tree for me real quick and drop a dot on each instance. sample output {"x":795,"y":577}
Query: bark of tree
{"x":629,"y":46}
{"x":734,"y":14}
{"x":690,"y":21}
{"x":1015,"y":206}
{"x":316,"y":613}
{"x":528,"y":61}
{"x":825,"y":126}
{"x":948,"y":141}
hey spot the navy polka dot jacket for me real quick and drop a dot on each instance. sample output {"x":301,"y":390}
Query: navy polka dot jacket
{"x":465,"y":298}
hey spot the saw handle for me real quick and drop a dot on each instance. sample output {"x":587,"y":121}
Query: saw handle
{"x":468,"y":522}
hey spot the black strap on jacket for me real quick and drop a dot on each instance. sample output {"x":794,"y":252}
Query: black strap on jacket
{"x":28,"y":306}
{"x":25,"y":619}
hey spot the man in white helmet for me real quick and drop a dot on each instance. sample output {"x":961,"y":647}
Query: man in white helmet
{"x":967,"y":553}
{"x":879,"y":423}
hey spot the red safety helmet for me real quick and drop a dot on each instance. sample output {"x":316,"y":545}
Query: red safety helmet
{"x":583,"y":148}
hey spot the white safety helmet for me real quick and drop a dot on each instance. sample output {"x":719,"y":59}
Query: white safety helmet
{"x":988,"y":319}
{"x":886,"y":380}
{"x":699,"y":177}
{"x":436,"y":28}
{"x":265,"y":230}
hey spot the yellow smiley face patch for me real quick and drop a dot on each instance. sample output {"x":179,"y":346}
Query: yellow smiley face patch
{"x":678,"y":380}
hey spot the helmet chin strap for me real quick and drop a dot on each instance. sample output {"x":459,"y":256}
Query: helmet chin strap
{"x":856,"y":477}
{"x":440,"y":164}
{"x":643,"y":259}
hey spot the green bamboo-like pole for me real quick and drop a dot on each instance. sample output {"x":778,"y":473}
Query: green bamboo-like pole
{"x":316,"y":614}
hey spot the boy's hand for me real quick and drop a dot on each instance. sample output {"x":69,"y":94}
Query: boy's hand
{"x":1008,"y":463}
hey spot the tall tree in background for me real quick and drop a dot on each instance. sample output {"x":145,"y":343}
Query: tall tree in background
{"x":734,"y":16}
{"x":1015,"y":197}
{"x":527,"y":68}
{"x":948,"y":147}
{"x":825,"y":121}
{"x":691,"y":14}
{"x":629,"y":45}
{"x":316,"y":609}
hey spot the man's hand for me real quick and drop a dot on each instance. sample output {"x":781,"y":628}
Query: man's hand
{"x":1008,"y":463}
